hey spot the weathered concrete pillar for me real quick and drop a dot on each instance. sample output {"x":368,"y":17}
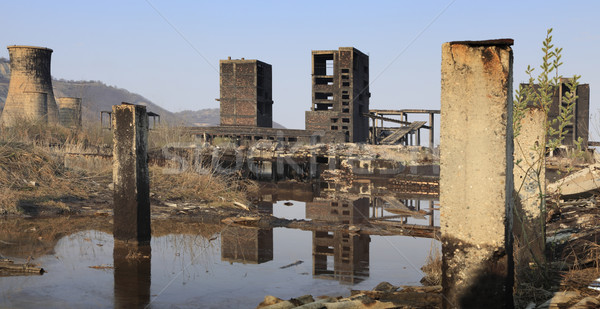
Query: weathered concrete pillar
{"x":130,"y":174}
{"x":530,"y":184}
{"x":476,"y":178}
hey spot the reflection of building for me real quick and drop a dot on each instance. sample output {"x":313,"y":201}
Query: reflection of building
{"x":348,"y":254}
{"x":340,"y":210}
{"x":246,"y":245}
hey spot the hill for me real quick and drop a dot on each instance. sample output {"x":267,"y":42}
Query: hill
{"x":207,"y":117}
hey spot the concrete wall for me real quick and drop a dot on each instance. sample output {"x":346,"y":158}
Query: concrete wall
{"x":476,"y":180}
{"x":30,"y":95}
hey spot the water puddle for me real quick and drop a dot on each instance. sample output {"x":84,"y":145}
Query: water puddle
{"x":191,"y":265}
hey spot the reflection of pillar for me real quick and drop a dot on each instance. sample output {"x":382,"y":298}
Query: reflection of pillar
{"x":132,"y":276}
{"x":130,"y":174}
{"x":246,"y":245}
{"x":476,"y":181}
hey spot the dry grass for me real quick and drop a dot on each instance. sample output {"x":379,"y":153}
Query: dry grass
{"x":33,"y":175}
{"x":209,"y":188}
{"x":433,"y":267}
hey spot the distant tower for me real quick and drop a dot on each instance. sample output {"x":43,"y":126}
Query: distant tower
{"x":246,"y":93}
{"x":69,"y":111}
{"x":340,"y":93}
{"x":30,"y":94}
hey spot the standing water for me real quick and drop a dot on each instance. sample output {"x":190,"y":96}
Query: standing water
{"x":197,"y":265}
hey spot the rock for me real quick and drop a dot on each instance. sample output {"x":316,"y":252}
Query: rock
{"x":268,"y":301}
{"x":111,"y":186}
{"x":171,"y":204}
{"x":385,"y":287}
{"x":588,"y":302}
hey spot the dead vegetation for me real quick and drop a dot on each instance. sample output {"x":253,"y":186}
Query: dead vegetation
{"x":35,"y":179}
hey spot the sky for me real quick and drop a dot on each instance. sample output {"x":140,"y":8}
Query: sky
{"x":168,"y":51}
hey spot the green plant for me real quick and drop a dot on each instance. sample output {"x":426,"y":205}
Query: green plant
{"x":537,"y":96}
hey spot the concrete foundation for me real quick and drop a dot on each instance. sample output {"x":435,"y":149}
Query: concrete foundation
{"x":530,"y":182}
{"x":130,"y":174}
{"x":476,"y":177}
{"x":30,"y":95}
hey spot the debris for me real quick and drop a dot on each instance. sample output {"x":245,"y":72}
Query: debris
{"x":595,"y":285}
{"x":587,"y":302}
{"x":8,"y":266}
{"x":560,"y":299}
{"x":583,"y":182}
{"x":385,"y":287}
{"x":170,"y":204}
{"x":288,"y":203}
{"x":240,"y":205}
{"x":292,"y":264}
{"x":103,"y":266}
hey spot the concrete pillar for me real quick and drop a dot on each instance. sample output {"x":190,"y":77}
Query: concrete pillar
{"x":476,"y":178}
{"x":431,"y":131}
{"x":530,"y":182}
{"x":130,"y":174}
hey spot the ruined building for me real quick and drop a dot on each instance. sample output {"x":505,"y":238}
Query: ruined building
{"x":69,"y":111}
{"x":340,"y":93}
{"x":581,"y":114}
{"x":30,"y":95}
{"x":246,"y":93}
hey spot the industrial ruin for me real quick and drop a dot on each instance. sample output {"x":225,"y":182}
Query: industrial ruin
{"x":30,"y":95}
{"x":246,"y":93}
{"x":339,"y":111}
{"x":340,"y":93}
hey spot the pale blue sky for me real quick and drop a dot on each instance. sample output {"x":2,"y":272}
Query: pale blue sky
{"x":129,"y":45}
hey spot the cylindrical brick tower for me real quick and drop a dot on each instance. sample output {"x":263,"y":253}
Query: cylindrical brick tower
{"x":69,"y":111}
{"x":30,"y":83}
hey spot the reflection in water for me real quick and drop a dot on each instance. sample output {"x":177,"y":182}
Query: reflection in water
{"x":132,"y":276}
{"x":350,"y":252}
{"x":246,"y":245}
